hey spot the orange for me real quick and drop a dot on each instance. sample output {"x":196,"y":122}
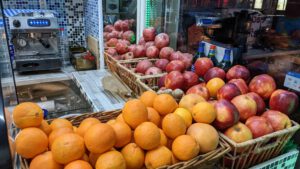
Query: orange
{"x":158,"y":157}
{"x":148,"y":97}
{"x":67,"y":148}
{"x":46,"y":160}
{"x":58,"y":132}
{"x":100,"y":138}
{"x":123,"y":133}
{"x":93,"y":158}
{"x":164,"y":104}
{"x":85,"y":157}
{"x":75,"y":129}
{"x":204,"y":112}
{"x":185,"y":147}
{"x":31,"y":142}
{"x":190,"y":100}
{"x":60,"y":123}
{"x":147,"y":136}
{"x":163,"y":138}
{"x":133,"y":155}
{"x":111,"y":160}
{"x":153,"y":116}
{"x":185,"y":115}
{"x":120,"y":118}
{"x":134,"y":113}
{"x":86,"y":124}
{"x":213,"y":85}
{"x":206,"y":136}
{"x":45,"y":127}
{"x":27,"y":114}
{"x":174,"y":159}
{"x":78,"y":164}
{"x":173,"y":125}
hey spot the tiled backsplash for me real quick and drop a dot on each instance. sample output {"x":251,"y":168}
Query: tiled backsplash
{"x":91,"y":15}
{"x":71,"y":15}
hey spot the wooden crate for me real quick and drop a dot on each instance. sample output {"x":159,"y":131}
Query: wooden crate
{"x":256,"y":151}
{"x":202,"y":161}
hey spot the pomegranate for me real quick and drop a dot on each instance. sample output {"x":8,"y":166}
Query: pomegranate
{"x":149,"y":34}
{"x":142,"y":41}
{"x":187,"y":58}
{"x":162,"y":64}
{"x":109,"y":28}
{"x":111,"y":51}
{"x":140,"y":51}
{"x":166,"y":52}
{"x":112,"y":42}
{"x":122,"y":47}
{"x":125,"y":25}
{"x":153,"y":71}
{"x":162,"y":40}
{"x":128,"y":55}
{"x":129,"y":35}
{"x":118,"y":25}
{"x":132,"y":47}
{"x":175,"y":65}
{"x":143,"y":66}
{"x":152,"y":52}
{"x":148,"y":44}
{"x":124,"y":41}
{"x":176,"y":55}
{"x":111,"y":35}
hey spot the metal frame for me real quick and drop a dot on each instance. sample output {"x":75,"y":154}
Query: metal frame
{"x":100,"y":37}
{"x":140,"y":19}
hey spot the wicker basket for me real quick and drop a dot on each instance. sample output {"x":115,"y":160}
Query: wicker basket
{"x":127,"y":74}
{"x":110,"y":62}
{"x":147,"y":83}
{"x":256,"y":151}
{"x":204,"y":161}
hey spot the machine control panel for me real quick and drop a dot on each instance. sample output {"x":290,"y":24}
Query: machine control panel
{"x":38,"y":22}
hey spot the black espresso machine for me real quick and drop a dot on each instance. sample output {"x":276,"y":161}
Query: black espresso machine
{"x":35,"y":37}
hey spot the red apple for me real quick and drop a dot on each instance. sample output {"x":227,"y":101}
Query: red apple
{"x":199,"y":89}
{"x":264,"y":85}
{"x":238,"y":72}
{"x":202,"y":65}
{"x":284,"y":101}
{"x":227,"y":115}
{"x":175,"y":65}
{"x":190,"y":79}
{"x":214,"y":72}
{"x":245,"y":105}
{"x":259,"y":126}
{"x":174,"y":80}
{"x":260,"y":104}
{"x":241,"y":84}
{"x":278,"y":120}
{"x":228,"y":92}
{"x":239,"y":133}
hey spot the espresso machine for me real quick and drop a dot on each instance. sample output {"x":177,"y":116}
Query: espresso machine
{"x":35,"y":37}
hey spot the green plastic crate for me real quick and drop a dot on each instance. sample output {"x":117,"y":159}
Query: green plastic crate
{"x":285,"y":161}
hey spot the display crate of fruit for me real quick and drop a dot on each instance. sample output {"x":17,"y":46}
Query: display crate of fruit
{"x":256,"y":151}
{"x":129,"y":72}
{"x":147,"y":83}
{"x":207,"y":160}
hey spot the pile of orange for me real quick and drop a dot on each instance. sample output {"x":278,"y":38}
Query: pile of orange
{"x":151,"y":131}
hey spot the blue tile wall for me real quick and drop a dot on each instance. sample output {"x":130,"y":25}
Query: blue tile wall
{"x":71,"y":15}
{"x":91,"y":18}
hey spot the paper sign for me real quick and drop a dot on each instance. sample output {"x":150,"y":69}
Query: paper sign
{"x":292,"y":81}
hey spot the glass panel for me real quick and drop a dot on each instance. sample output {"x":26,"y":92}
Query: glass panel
{"x":258,"y":4}
{"x":281,"y":5}
{"x":8,"y":85}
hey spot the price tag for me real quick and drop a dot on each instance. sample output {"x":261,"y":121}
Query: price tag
{"x":292,"y":81}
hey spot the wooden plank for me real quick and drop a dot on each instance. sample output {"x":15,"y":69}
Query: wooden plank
{"x":92,"y":45}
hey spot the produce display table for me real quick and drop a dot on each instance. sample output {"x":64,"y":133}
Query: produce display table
{"x":89,"y":83}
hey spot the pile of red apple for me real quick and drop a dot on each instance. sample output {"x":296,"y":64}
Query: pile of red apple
{"x":242,"y":112}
